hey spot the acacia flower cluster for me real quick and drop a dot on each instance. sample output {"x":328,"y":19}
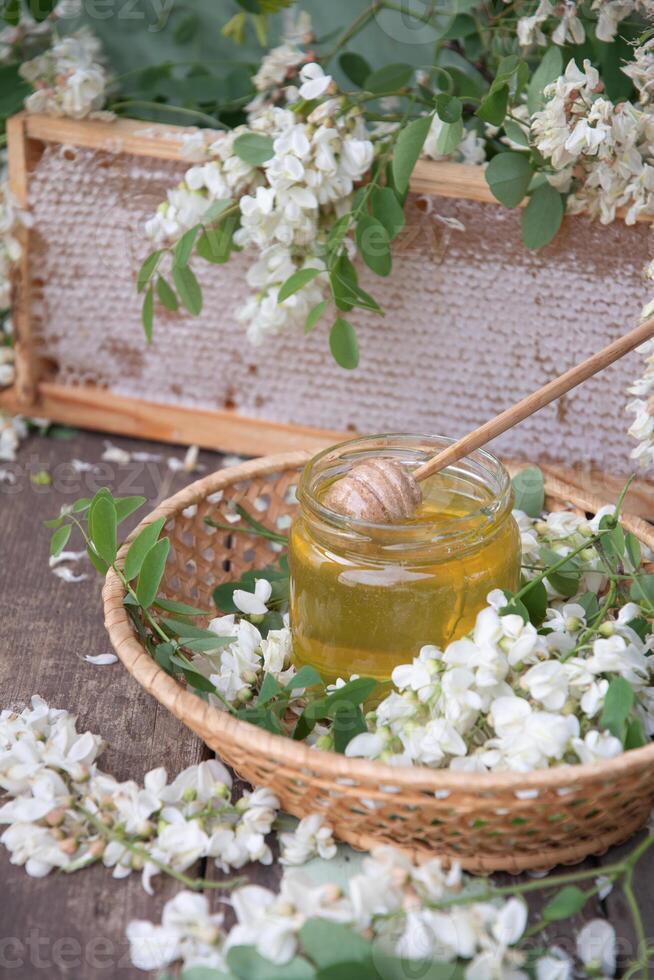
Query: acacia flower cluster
{"x":510,"y":696}
{"x":29,"y":34}
{"x":600,"y":150}
{"x":69,"y":78}
{"x":287,"y":204}
{"x":64,"y":812}
{"x":399,"y":906}
{"x":566,"y":26}
{"x":642,"y":407}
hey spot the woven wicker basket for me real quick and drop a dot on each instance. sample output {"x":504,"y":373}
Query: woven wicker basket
{"x":493,"y":822}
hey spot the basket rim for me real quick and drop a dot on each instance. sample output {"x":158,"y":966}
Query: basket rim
{"x":202,"y":717}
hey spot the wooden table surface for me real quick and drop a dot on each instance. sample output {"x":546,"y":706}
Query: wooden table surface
{"x":74,"y":927}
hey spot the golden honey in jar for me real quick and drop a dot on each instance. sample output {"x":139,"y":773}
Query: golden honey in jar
{"x":366,"y":597}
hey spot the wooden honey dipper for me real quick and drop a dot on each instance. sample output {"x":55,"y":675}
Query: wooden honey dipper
{"x":384,"y":491}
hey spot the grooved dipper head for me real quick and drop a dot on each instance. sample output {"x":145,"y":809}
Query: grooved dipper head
{"x":380,"y":491}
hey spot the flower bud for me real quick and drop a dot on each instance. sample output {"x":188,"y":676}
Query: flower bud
{"x":55,"y":817}
{"x":573,"y":623}
{"x":97,"y":848}
{"x":244,"y":695}
{"x":606,"y":629}
{"x":189,"y":795}
{"x":136,"y":862}
{"x":68,"y":845}
{"x":325,"y":742}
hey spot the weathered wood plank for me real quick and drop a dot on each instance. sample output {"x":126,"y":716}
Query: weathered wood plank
{"x":73,"y":927}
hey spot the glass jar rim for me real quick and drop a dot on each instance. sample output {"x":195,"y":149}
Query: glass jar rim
{"x":482,"y":463}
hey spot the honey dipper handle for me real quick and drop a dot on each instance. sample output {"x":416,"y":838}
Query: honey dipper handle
{"x":537,"y":400}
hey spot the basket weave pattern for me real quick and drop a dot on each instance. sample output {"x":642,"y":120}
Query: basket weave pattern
{"x":487,"y":822}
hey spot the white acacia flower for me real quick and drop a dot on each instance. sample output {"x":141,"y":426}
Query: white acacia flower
{"x":596,"y":946}
{"x":314,"y":81}
{"x":547,"y":682}
{"x":254,"y":604}
{"x":556,"y":965}
{"x":312,"y":837}
{"x":597,"y":746}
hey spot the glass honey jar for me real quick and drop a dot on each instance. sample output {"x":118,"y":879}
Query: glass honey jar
{"x":366,"y":597}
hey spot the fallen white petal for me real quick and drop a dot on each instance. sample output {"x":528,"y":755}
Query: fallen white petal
{"x":101,"y":659}
{"x":65,"y":556}
{"x":67,"y":575}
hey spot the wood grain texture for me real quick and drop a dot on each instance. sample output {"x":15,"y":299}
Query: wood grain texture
{"x":96,"y":408}
{"x":74,"y":928}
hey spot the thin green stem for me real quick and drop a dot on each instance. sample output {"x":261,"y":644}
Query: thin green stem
{"x":164,"y":107}
{"x":270,"y":536}
{"x":195,"y":884}
{"x":357,"y":25}
{"x":559,"y":564}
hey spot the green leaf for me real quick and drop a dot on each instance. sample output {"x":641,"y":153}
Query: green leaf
{"x":152,"y":570}
{"x":549,"y":69}
{"x":102,"y":527}
{"x":306,"y":676}
{"x":618,"y":703}
{"x":146,"y":270}
{"x":448,"y":108}
{"x":373,"y":243}
{"x":493,"y":107}
{"x":633,"y":551}
{"x":565,"y":580}
{"x":97,"y":562}
{"x":188,"y":288}
{"x":590,"y":604}
{"x":529,"y":491}
{"x":355,"y":67}
{"x":147,"y":314}
{"x":140,"y":547}
{"x":407,"y":150}
{"x":348,"y":721}
{"x":59,"y":539}
{"x":253,"y":148}
{"x":41,"y":9}
{"x":343,"y":344}
{"x":126,"y":506}
{"x":642,"y":589}
{"x":329,"y":943}
{"x":516,"y":133}
{"x":246,"y":964}
{"x":189,"y":631}
{"x":542,"y":217}
{"x":270,"y":688}
{"x":635,"y":736}
{"x":184,"y":247}
{"x":197,"y":681}
{"x":11,"y":12}
{"x":566,"y":903}
{"x":449,"y":137}
{"x":166,"y":295}
{"x":508,"y":176}
{"x":187,"y":29}
{"x":296,"y":281}
{"x":180,"y":608}
{"x":387,"y":209}
{"x":389,"y":78}
{"x":314,"y":315}
{"x":216,"y":244}
{"x":162,"y":655}
{"x":536,"y":603}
